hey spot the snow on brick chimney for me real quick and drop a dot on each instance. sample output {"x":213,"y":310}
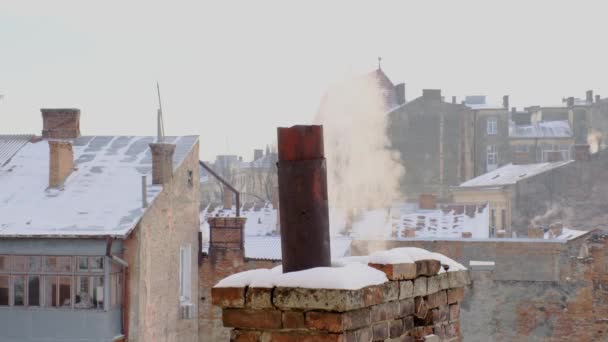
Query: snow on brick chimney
{"x":60,"y":123}
{"x":61,"y":162}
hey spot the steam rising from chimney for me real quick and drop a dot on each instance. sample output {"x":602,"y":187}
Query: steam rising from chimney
{"x":362,"y":171}
{"x":594,"y":139}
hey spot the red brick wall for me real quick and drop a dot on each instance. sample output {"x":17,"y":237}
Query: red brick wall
{"x":61,"y":162}
{"x":218,"y":264}
{"x":62,"y":123}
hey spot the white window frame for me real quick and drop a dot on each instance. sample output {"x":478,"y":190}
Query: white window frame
{"x":491,"y":158}
{"x":492,"y":126}
{"x":185,"y":273}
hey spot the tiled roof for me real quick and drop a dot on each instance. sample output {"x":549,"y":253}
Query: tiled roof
{"x":10,"y":144}
{"x":102,"y":196}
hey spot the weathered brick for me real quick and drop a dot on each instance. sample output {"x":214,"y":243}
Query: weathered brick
{"x":427,"y":267}
{"x":459,"y":278}
{"x":395,"y":328}
{"x":432,"y":284}
{"x":437,"y":299}
{"x":380,"y":331}
{"x":420,"y":286}
{"x":455,"y":295}
{"x":397,"y":271}
{"x":237,"y":335}
{"x":406,"y":307}
{"x":300,"y":336}
{"x":293,"y":320}
{"x":359,"y":335}
{"x":440,"y":314}
{"x":420,"y":307}
{"x":337,"y":322}
{"x":406,"y":289}
{"x":391,"y":291}
{"x":454,"y":312}
{"x":432,"y":338}
{"x":439,"y":330}
{"x":252,"y":318}
{"x":258,"y":298}
{"x":421,"y":332}
{"x":385,"y":311}
{"x":452,"y":330}
{"x":326,"y":299}
{"x":408,"y":323}
{"x":444,"y":283}
{"x":228,"y":297}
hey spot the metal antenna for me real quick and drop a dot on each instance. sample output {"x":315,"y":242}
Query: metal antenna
{"x":160,"y":132}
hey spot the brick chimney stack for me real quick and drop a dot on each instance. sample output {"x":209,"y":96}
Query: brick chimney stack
{"x":589,"y":96}
{"x":505,"y":102}
{"x":61,"y":162}
{"x":60,"y":123}
{"x":162,"y":162}
{"x":400,"y":90}
{"x":432,"y":94}
{"x":582,"y":152}
{"x":597,"y":98}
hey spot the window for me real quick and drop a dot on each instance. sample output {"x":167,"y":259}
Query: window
{"x":185,"y":257}
{"x":521,"y":148}
{"x":56,"y":281}
{"x":4,"y":290}
{"x":492,"y":126}
{"x":491,"y":158}
{"x":547,"y":152}
{"x":33,"y":290}
{"x":190,"y":179}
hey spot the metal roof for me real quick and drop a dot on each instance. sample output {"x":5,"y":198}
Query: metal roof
{"x":510,"y":174}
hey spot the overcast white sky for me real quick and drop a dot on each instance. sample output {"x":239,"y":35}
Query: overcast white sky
{"x":232,"y":72}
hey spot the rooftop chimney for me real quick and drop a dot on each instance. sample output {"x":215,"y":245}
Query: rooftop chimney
{"x":582,"y":152}
{"x":257,"y":154}
{"x":60,"y":123}
{"x":61,"y":162}
{"x":505,"y":102}
{"x":454,"y":99}
{"x":431,"y":94}
{"x":536,"y":232}
{"x":570,"y":101}
{"x":400,"y":90}
{"x":597,"y":98}
{"x":303,"y":203}
{"x":162,"y":162}
{"x":589,"y":96}
{"x":427,"y":202}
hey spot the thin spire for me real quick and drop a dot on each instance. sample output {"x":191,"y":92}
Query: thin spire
{"x":160,"y":126}
{"x":379,"y":63}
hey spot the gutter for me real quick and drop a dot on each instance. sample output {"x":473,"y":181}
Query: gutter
{"x":125,"y":289}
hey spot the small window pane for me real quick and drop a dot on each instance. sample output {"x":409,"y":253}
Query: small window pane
{"x":19,"y":290}
{"x":98,"y":293}
{"x":65,"y":291}
{"x":4,"y":290}
{"x":50,"y":291}
{"x":4,"y":263}
{"x":33,"y":291}
{"x":96,"y":264}
{"x":84,"y":298}
{"x":83,"y":264}
{"x":64,"y":264}
{"x":20,"y":263}
{"x":34,"y":263}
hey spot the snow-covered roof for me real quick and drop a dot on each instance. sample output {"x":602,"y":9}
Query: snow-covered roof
{"x":102,"y":196}
{"x":510,"y":174}
{"x":448,"y":221}
{"x":567,"y":234}
{"x":10,"y":144}
{"x":544,"y":129}
{"x":479,"y":102}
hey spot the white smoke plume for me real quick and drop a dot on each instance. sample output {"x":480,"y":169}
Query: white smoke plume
{"x":594,"y":139}
{"x":553,"y":214}
{"x":363,"y":173}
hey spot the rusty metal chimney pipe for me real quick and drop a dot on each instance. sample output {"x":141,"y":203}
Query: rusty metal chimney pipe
{"x":303,"y":204}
